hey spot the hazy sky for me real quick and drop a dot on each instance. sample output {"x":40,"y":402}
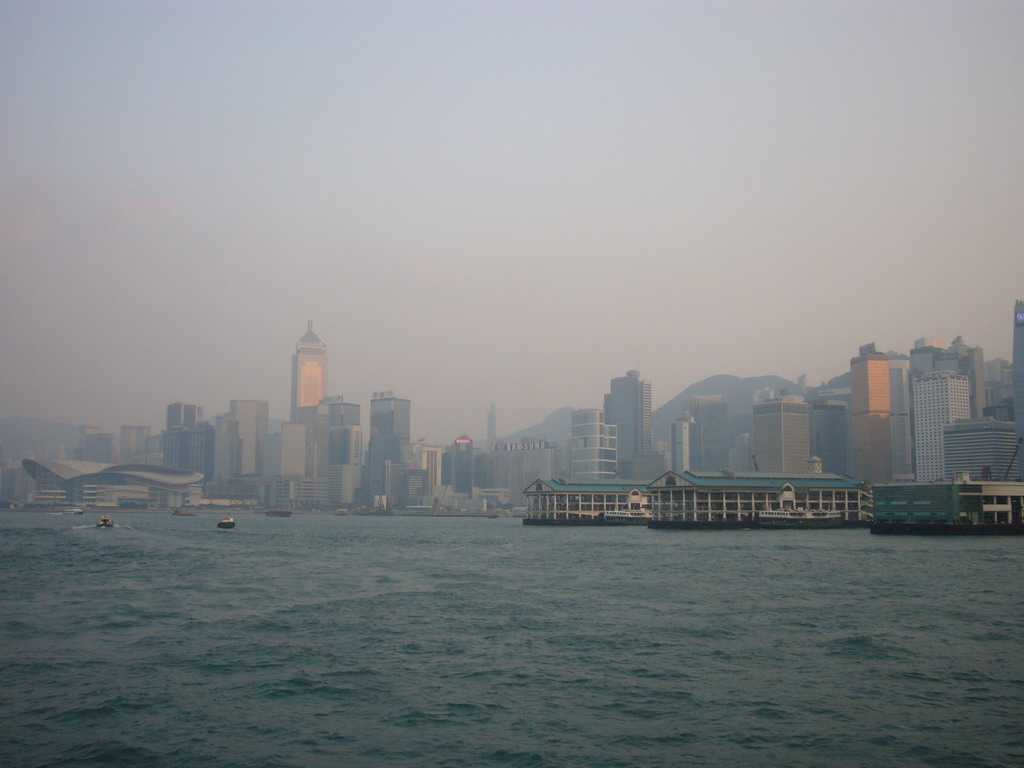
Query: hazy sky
{"x":507,"y":202}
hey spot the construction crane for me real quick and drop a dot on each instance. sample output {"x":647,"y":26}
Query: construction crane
{"x":1006,"y":475}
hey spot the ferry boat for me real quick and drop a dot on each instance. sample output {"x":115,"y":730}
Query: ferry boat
{"x":278,"y":513}
{"x":627,"y":517}
{"x":226,"y":522}
{"x":799,"y":517}
{"x":73,"y":511}
{"x":105,"y":522}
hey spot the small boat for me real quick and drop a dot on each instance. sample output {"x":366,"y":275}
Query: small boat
{"x":73,"y":511}
{"x":226,"y":522}
{"x":105,"y":522}
{"x":181,"y":512}
{"x":278,"y":513}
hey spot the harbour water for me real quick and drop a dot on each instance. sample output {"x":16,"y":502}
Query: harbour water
{"x":412,"y":642}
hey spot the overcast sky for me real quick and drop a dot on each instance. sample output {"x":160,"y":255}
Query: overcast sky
{"x":507,"y":202}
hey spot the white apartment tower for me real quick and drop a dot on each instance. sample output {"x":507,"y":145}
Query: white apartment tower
{"x":940,"y":398}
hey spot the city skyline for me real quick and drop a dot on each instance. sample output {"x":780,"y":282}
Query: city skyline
{"x":479,"y":205}
{"x":214,"y":413}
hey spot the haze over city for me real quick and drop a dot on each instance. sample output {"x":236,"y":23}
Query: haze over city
{"x":503,"y":203}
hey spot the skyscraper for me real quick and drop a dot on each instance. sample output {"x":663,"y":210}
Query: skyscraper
{"x":492,"y":427}
{"x":183,"y":415}
{"x":1018,"y":367}
{"x":592,"y":446}
{"x":309,"y":372}
{"x":133,"y":446}
{"x":462,"y":465}
{"x":780,"y":437}
{"x":829,"y":435}
{"x":685,"y":444}
{"x":711,"y":413}
{"x":628,"y":407}
{"x":390,"y":427}
{"x":899,"y":399}
{"x":929,"y":355}
{"x":252,"y":418}
{"x":871,"y":416}
{"x":984,"y":448}
{"x":940,"y":398}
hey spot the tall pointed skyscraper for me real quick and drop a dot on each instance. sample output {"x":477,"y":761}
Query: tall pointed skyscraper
{"x":309,"y":372}
{"x":1018,"y":367}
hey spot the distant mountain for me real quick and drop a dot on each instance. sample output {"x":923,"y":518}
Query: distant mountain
{"x":555,"y":428}
{"x":739,"y":394}
{"x":20,"y":437}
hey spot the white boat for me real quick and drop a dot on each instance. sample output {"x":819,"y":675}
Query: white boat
{"x":627,"y":517}
{"x":105,"y":522}
{"x":799,"y":517}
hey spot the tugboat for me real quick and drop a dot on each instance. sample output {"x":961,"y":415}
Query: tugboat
{"x":226,"y":522}
{"x":105,"y":522}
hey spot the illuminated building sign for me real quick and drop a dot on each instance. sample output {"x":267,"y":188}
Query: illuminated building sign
{"x":538,"y":445}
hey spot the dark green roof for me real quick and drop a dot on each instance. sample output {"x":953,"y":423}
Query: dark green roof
{"x":710,"y":479}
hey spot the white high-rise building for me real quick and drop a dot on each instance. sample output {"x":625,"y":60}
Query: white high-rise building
{"x":685,"y":438}
{"x":940,"y":398}
{"x":592,"y":446}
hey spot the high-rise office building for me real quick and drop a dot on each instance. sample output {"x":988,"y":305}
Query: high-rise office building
{"x":134,"y":445}
{"x":390,"y":428}
{"x":984,"y":448}
{"x":930,"y":355}
{"x":304,"y":450}
{"x":1018,"y":367}
{"x":492,"y":426}
{"x":940,"y":398}
{"x":390,"y":415}
{"x":309,"y":372}
{"x":711,"y":413}
{"x":592,"y":446}
{"x":252,"y":419}
{"x":628,"y":407}
{"x":829,"y":434}
{"x":871,"y":416}
{"x":998,"y":382}
{"x":462,"y":465}
{"x":781,"y":434}
{"x":686,"y":445}
{"x":94,"y":445}
{"x":901,"y":433}
{"x":427,"y":458}
{"x":183,"y":415}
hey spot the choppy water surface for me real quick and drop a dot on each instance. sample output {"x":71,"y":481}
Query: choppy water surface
{"x":348,"y":641}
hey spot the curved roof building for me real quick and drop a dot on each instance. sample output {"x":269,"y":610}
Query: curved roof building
{"x":77,"y":482}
